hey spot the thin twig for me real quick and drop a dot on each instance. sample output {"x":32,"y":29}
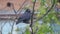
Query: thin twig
{"x":12,"y":28}
{"x":1,"y":29}
{"x":2,"y":26}
{"x":22,"y":5}
{"x":32,"y":17}
{"x":14,"y":9}
{"x":19,"y":8}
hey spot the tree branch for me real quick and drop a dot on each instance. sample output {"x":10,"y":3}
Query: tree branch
{"x":12,"y":28}
{"x":22,"y":5}
{"x":31,"y":25}
{"x":2,"y":26}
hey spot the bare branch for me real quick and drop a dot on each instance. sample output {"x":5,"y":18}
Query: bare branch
{"x":32,"y":17}
{"x":12,"y":28}
{"x":22,"y":5}
{"x":2,"y":26}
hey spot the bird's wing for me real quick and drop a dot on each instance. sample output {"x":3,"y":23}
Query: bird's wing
{"x":25,"y":16}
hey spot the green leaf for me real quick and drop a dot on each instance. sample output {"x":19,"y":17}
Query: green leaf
{"x":33,"y":0}
{"x":27,"y":31}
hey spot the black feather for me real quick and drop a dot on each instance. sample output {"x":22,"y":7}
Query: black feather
{"x":25,"y":17}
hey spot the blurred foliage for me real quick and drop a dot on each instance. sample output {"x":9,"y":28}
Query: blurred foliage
{"x":44,"y":28}
{"x":27,"y":31}
{"x":50,"y":16}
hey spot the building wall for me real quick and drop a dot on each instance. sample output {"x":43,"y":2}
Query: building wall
{"x":17,"y":4}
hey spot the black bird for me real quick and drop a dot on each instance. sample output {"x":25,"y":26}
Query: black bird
{"x":25,"y":17}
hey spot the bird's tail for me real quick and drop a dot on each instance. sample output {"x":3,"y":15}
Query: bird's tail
{"x":19,"y":21}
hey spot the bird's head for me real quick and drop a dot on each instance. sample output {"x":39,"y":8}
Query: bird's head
{"x":28,"y":10}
